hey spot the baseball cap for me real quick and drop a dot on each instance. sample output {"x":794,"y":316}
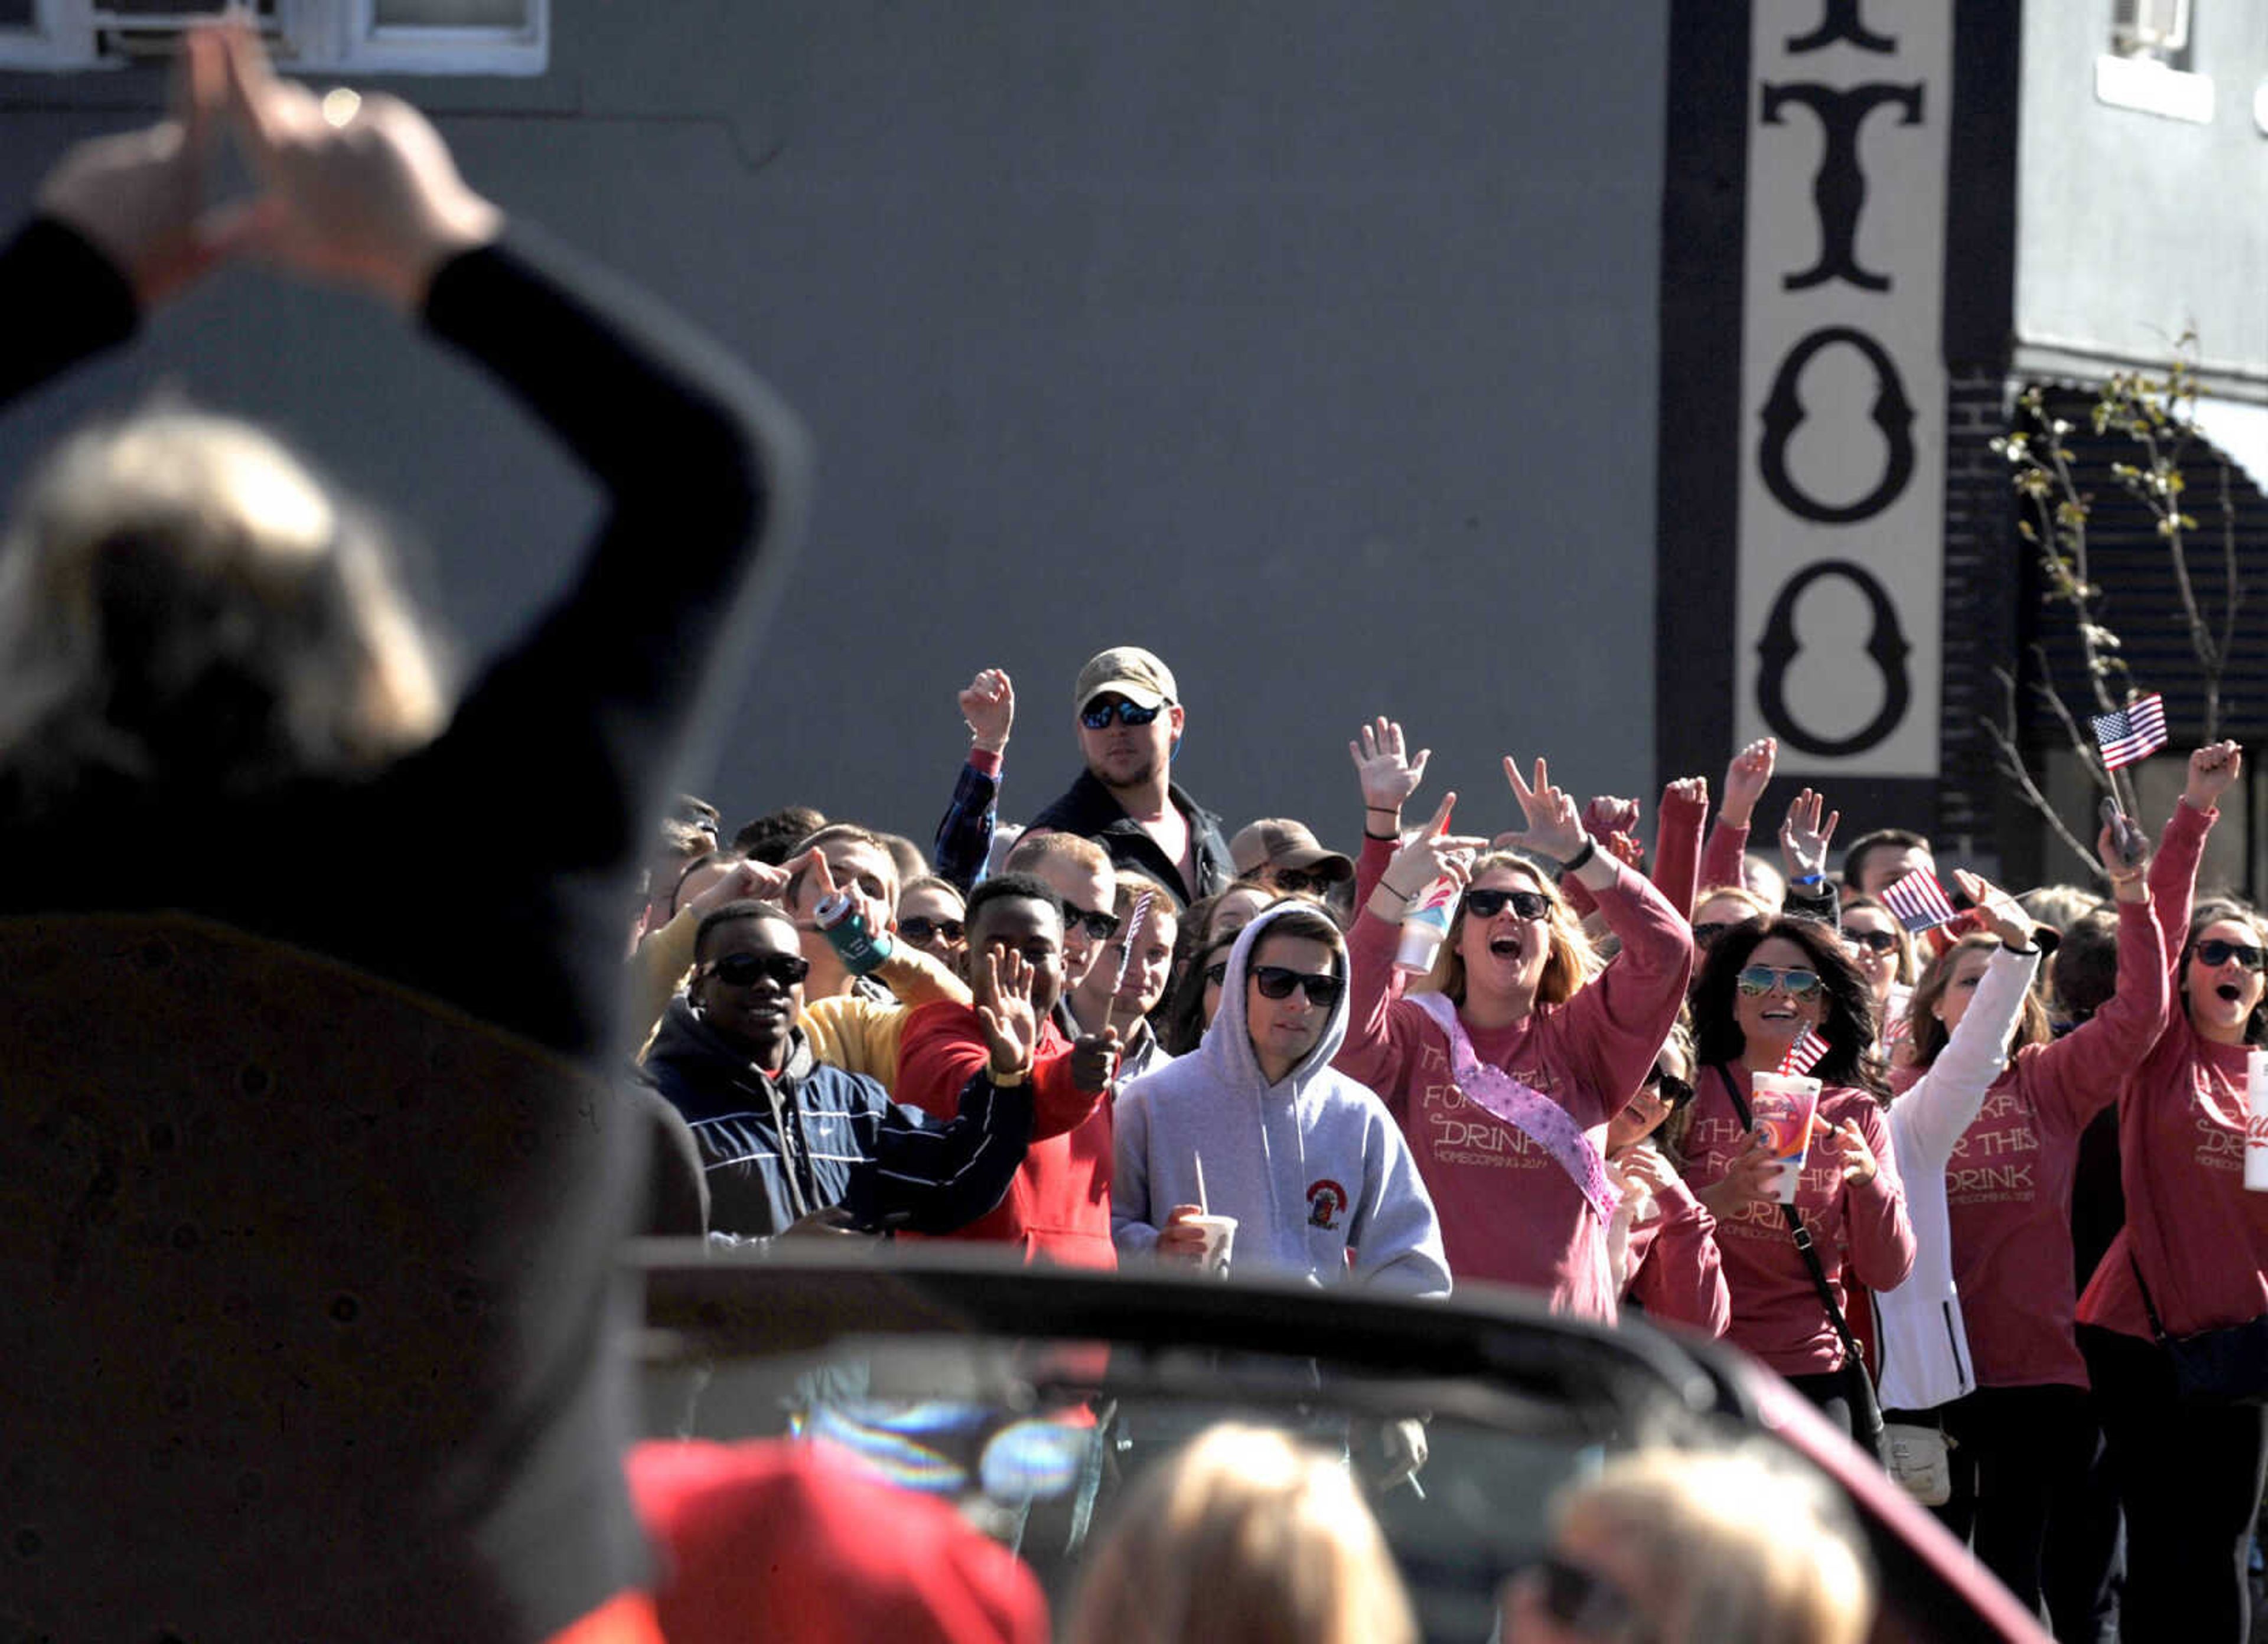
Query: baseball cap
{"x":1133,"y":672}
{"x":1280,"y":842}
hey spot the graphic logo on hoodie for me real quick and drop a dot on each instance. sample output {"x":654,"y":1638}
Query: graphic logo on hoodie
{"x":1327,"y":1202}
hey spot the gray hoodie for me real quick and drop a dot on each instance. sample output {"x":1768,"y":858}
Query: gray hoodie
{"x":1314,"y":1169}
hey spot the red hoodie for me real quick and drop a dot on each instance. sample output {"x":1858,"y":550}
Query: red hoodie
{"x":1058,"y":1207}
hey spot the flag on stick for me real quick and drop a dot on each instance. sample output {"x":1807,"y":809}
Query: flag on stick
{"x":2132,"y":732}
{"x":1918,"y":902}
{"x":1806,"y":1053}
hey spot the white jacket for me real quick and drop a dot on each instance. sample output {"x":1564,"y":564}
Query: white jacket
{"x":1924,"y":1345}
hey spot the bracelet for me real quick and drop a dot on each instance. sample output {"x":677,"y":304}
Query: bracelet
{"x":1809,"y":878}
{"x":1581,"y":857}
{"x":2129,"y":877}
{"x":1399,"y":896}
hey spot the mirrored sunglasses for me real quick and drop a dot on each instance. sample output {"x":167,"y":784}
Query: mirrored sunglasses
{"x":1099,"y":718}
{"x":1759,"y":980}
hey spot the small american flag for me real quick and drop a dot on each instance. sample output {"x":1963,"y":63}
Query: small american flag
{"x":1805,"y":1053}
{"x":1918,"y":901}
{"x":2132,"y":732}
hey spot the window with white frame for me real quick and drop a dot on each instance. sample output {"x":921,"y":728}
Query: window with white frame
{"x":2149,"y":67}
{"x":354,"y":36}
{"x":2155,"y":29}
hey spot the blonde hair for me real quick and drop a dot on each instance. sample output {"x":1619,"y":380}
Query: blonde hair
{"x":1755,"y":904}
{"x":1245,"y":1538}
{"x":178,"y":593}
{"x":1569,"y":960}
{"x":1735,"y":1544}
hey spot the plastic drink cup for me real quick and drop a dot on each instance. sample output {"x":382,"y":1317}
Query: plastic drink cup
{"x":2256,"y":1130}
{"x":1784,"y":1105}
{"x":1220,"y":1240}
{"x":1424,"y":926}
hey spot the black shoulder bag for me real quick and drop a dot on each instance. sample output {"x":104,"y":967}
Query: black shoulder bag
{"x":1866,"y":1409}
{"x":2228,"y":1366}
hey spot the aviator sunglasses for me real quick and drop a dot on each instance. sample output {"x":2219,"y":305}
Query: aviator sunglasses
{"x":1277,"y":982}
{"x":1529,"y":905}
{"x":1759,"y":980}
{"x":2215,"y":952}
{"x":1126,"y":714}
{"x":744,"y":970}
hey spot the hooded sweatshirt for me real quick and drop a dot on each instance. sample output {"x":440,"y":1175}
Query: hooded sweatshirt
{"x":1314,"y":1168}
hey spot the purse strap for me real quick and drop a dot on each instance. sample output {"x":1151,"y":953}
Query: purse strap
{"x":2157,"y":1326}
{"x":1802,"y":1238}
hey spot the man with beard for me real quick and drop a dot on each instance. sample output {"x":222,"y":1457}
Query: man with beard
{"x":1130,"y":723}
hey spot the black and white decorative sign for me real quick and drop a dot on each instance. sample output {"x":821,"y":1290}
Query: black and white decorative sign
{"x":1843,"y":384}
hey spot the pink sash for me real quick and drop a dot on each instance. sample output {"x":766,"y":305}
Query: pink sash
{"x":1523,"y":1107}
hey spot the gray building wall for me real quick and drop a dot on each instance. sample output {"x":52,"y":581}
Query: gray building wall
{"x":1312,"y":345}
{"x":2132,"y":227}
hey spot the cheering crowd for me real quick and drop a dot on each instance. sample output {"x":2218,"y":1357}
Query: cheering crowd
{"x":2007,"y":1239}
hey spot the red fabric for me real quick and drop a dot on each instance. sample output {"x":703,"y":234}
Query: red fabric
{"x":1675,"y":1272}
{"x":1510,"y":1213}
{"x":790,"y":1543}
{"x":1058,"y":1207}
{"x":1677,"y":850}
{"x":2007,"y":1187}
{"x":985,"y":762}
{"x":1776,"y":1311}
{"x":626,"y":1619}
{"x":1721,"y":857}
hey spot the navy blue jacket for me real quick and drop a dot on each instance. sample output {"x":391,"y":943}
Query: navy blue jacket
{"x":779,"y":1147}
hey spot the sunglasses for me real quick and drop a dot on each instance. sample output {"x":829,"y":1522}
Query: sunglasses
{"x":1300,"y":882}
{"x":1100,"y":926}
{"x":1125,"y":713}
{"x":1669,"y":1086}
{"x":1873,"y":941}
{"x":1583,"y":1602}
{"x":1529,"y":905}
{"x":1759,"y":980}
{"x":1218,"y":974}
{"x":1710,"y":930}
{"x":920,"y":930}
{"x":1277,"y":982}
{"x":2217,"y":953}
{"x":746,"y":970}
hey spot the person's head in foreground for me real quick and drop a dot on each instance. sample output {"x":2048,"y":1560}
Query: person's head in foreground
{"x":183,"y":602}
{"x":1667,"y":1546}
{"x":1244,"y":1537}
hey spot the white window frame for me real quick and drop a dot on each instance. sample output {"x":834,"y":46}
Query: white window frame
{"x":331,"y":35}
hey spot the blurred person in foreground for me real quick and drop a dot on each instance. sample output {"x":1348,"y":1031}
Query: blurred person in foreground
{"x":1677,"y":1548}
{"x":311,"y":1252}
{"x":1245,"y":1537}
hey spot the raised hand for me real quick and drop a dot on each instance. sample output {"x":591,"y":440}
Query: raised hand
{"x":746,"y":879}
{"x":1388,"y":775}
{"x":1999,"y":913}
{"x":1433,"y":853}
{"x":1004,"y":1007}
{"x":1606,"y":816}
{"x":139,"y":197}
{"x":1692,"y":790}
{"x":1553,"y":829}
{"x":2129,"y":882}
{"x":355,"y":188}
{"x":1746,"y":778}
{"x":2213,"y":768}
{"x":1804,"y":838}
{"x":989,"y":705}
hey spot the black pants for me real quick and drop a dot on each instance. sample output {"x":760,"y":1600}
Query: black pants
{"x":2190,"y":1476}
{"x":2019,"y":1453}
{"x":1831,"y":1395}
